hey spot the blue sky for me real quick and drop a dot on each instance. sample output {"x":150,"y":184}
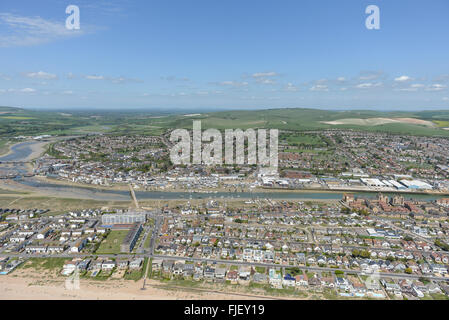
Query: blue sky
{"x":209,"y":54}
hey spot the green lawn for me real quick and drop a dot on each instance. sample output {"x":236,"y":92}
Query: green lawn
{"x":136,"y":274}
{"x":44,"y":263}
{"x":112,"y":242}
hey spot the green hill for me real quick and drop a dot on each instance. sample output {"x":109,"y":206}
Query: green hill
{"x":17,"y":121}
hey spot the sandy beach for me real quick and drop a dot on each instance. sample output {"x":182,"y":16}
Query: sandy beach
{"x":28,"y":287}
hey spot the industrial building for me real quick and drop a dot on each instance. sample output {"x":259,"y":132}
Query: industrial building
{"x":124,"y":218}
{"x":131,"y":238}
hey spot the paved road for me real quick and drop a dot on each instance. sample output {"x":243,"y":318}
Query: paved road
{"x":231,"y":262}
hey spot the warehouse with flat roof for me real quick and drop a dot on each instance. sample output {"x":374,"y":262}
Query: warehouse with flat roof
{"x":131,"y":238}
{"x":124,"y":218}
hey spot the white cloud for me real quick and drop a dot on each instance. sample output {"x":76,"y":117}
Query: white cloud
{"x":368,"y":85}
{"x":125,"y":80}
{"x":291,"y":87}
{"x":5,"y":77}
{"x":412,"y":88}
{"x":231,"y":83}
{"x":68,"y":92}
{"x":370,"y":75}
{"x":319,"y":87}
{"x":265,"y":81}
{"x":41,"y":75}
{"x":264,"y":74}
{"x":175,"y":78}
{"x":407,"y":89}
{"x":117,"y":80}
{"x":94,"y":77}
{"x":445,"y":99}
{"x":24,"y":90}
{"x":27,"y":31}
{"x":402,"y":79}
{"x":436,"y":87}
{"x":27,"y":90}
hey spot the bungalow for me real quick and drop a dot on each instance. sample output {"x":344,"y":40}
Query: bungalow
{"x":55,"y":249}
{"x":425,"y":268}
{"x":188,"y":270}
{"x":302,"y":280}
{"x":136,"y":263}
{"x":156,"y":264}
{"x":260,"y":278}
{"x":17,"y":239}
{"x":69,"y":267}
{"x":391,"y":286}
{"x":301,"y":258}
{"x":44,"y":233}
{"x":209,"y":272}
{"x":178,"y":268}
{"x":433,"y":288}
{"x":311,"y":260}
{"x":327,"y":282}
{"x":343,"y":284}
{"x":220,"y":273}
{"x":289,"y":280}
{"x":321,"y":260}
{"x":197,"y":276}
{"x":78,"y":245}
{"x":108,"y":265}
{"x":232,"y":276}
{"x":438,"y":268}
{"x":35,"y":249}
{"x":83,"y":265}
{"x":167,"y":265}
{"x":244,"y":272}
{"x":406,"y":287}
{"x":97,"y":264}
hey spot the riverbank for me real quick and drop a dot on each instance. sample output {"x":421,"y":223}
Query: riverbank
{"x":125,"y":187}
{"x":5,"y":147}
{"x":37,"y":148}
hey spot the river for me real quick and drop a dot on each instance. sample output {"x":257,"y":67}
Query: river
{"x":23,"y":150}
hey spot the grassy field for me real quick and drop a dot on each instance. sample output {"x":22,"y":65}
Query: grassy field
{"x":16,"y":121}
{"x":298,"y":139}
{"x":442,"y":123}
{"x":112,"y":242}
{"x":5,"y":191}
{"x":56,"y":205}
{"x":4,"y":146}
{"x":136,"y":274}
{"x":44,"y":264}
{"x":306,"y":119}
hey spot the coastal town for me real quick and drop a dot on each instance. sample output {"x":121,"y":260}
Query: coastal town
{"x":377,"y":247}
{"x":224,"y":159}
{"x":375,"y":225}
{"x":337,"y":160}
